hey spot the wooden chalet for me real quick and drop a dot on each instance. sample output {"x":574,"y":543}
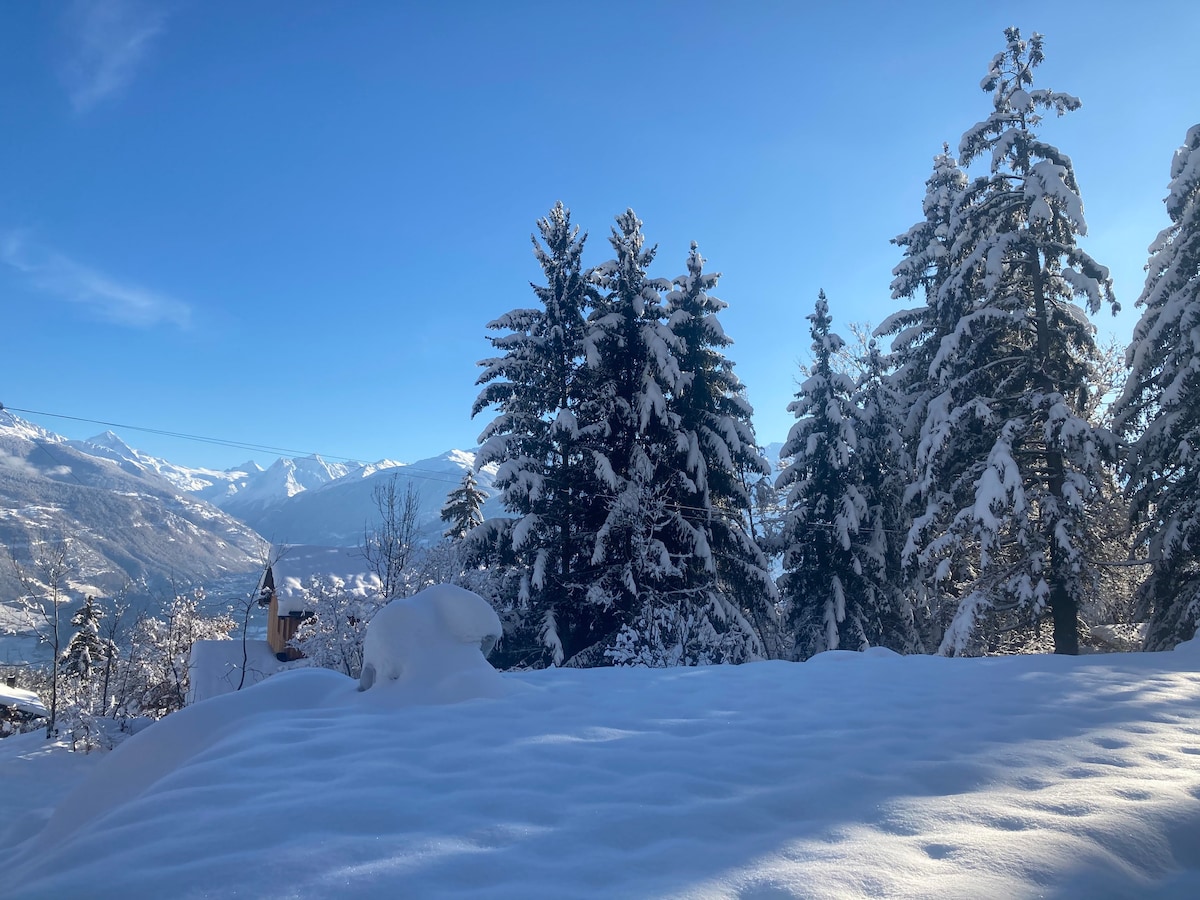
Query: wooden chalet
{"x":282,"y":591}
{"x":280,"y":628}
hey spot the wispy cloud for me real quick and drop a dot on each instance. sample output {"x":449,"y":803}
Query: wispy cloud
{"x":107,"y":42}
{"x":16,"y":464}
{"x":121,"y":302}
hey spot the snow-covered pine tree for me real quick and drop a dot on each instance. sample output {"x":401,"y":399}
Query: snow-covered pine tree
{"x":1160,"y":410}
{"x":918,"y":331}
{"x":537,"y":383}
{"x":641,"y":608}
{"x":1008,"y":460}
{"x":86,"y":648}
{"x":822,"y":585}
{"x":626,"y":550}
{"x":462,"y":510}
{"x":715,"y":462}
{"x":659,"y":582}
{"x":88,"y":655}
{"x":885,"y":470}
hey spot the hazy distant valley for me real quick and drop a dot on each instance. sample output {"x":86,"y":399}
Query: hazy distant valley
{"x":149,"y":526}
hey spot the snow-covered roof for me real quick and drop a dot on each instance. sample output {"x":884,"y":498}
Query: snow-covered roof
{"x":215,"y":667}
{"x":296,"y":568}
{"x":25,"y":701}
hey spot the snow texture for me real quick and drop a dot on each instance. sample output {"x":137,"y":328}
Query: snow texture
{"x":854,"y":775}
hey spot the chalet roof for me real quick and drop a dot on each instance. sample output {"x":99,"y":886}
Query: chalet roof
{"x":23,"y":700}
{"x":215,"y":667}
{"x":298,"y":565}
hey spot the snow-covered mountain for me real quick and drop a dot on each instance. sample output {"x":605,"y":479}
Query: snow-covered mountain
{"x":136,"y":516}
{"x":299,"y":501}
{"x":208,"y":484}
{"x":281,"y":480}
{"x":125,"y":522}
{"x":771,"y":452}
{"x":247,"y":492}
{"x":124,"y":525}
{"x":337,"y":512}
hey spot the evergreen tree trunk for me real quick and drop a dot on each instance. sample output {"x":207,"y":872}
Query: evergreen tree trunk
{"x":1064,"y":612}
{"x":1064,"y":608}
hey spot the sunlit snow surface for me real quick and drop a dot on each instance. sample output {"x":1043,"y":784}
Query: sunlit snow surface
{"x":852,"y":775}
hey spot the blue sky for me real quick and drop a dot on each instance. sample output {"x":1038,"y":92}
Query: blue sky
{"x":288,"y":223}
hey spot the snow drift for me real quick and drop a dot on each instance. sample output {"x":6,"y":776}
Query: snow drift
{"x":851,"y":776}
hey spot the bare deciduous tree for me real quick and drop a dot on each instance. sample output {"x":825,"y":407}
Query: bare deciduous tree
{"x":44,"y":586}
{"x":112,"y":634}
{"x":389,"y":545}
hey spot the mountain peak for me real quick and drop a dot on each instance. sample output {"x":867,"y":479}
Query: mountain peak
{"x":113,"y":441}
{"x":462,"y":458}
{"x":18,"y":427}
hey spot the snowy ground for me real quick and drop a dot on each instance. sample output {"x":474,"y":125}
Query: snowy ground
{"x":852,"y":775}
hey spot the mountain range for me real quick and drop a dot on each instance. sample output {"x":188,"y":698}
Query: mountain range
{"x":309,"y":500}
{"x":142,"y":523}
{"x":125,"y":525}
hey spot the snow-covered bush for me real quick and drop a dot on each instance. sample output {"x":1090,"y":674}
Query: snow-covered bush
{"x":154,"y":676}
{"x":335,"y":623}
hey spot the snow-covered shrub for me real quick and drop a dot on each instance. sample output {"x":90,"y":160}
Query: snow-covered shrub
{"x":335,"y":624}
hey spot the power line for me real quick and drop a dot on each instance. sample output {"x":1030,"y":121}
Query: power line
{"x":41,"y":445}
{"x":222,"y":442}
{"x":427,"y":474}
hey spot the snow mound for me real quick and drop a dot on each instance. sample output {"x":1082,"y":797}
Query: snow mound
{"x":829,"y":656}
{"x":1190,"y":649}
{"x":176,"y":742}
{"x":222,"y":666}
{"x":432,"y":647}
